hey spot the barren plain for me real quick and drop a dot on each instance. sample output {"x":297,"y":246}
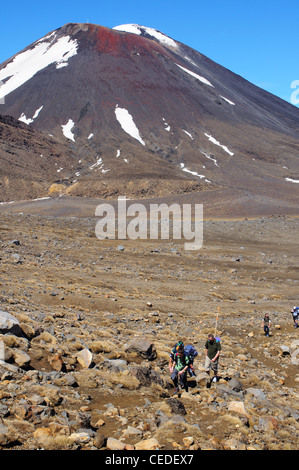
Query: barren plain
{"x":72,"y":292}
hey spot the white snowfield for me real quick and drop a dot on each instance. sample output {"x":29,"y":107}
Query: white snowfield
{"x":166,"y":125}
{"x":194,"y":173}
{"x":137,"y":29}
{"x":188,"y":133}
{"x":210,"y":158}
{"x":227,"y":100}
{"x":126,"y":121}
{"x":67,"y":130}
{"x":43,"y":53}
{"x":99,"y":164}
{"x":290,"y":180}
{"x":195,"y":75}
{"x":214,"y":141}
{"x":26,"y":120}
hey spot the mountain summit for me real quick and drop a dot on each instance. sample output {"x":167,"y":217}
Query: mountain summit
{"x":131,"y":111}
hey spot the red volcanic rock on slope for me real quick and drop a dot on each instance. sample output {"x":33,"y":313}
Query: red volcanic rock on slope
{"x":132,"y":104}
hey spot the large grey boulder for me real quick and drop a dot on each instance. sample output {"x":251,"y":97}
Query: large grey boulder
{"x":9,"y":324}
{"x":142,"y":347}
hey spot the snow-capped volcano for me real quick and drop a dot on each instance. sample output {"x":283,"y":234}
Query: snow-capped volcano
{"x":132,"y":104}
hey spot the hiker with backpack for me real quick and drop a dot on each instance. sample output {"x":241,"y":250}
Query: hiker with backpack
{"x":178,"y":368}
{"x":267,"y":324}
{"x":212,"y":352}
{"x":295,"y":314}
{"x":173,"y":352}
{"x":189,"y":351}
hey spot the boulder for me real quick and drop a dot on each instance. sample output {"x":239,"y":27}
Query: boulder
{"x":176,"y":406}
{"x":21,"y":358}
{"x":148,"y":444}
{"x":116,"y":365}
{"x":239,"y":408}
{"x":295,"y":354}
{"x":84,"y":357}
{"x":257,"y":394}
{"x":115,"y":444}
{"x":142,"y":347}
{"x":146,"y":376}
{"x":285,"y":350}
{"x":80,"y":437}
{"x":268,"y":424}
{"x":188,"y":441}
{"x":9,"y":324}
{"x":202,"y":379}
{"x":99,"y":440}
{"x":235,"y":384}
{"x":56,"y":362}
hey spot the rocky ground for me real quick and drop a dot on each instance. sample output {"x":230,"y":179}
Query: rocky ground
{"x":87,"y":327}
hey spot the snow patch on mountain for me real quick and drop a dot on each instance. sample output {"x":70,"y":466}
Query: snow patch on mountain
{"x":166,"y":125}
{"x":126,"y":121}
{"x":194,"y":173}
{"x":26,"y":64}
{"x":143,"y":30}
{"x":26,"y":120}
{"x":97,"y":163}
{"x":291,"y":180}
{"x":195,"y":75}
{"x":191,"y":61}
{"x":210,"y":158}
{"x":227,"y":100}
{"x":118,"y":153}
{"x":188,"y":133}
{"x":214,"y":141}
{"x":100,"y":164}
{"x":67,"y":130}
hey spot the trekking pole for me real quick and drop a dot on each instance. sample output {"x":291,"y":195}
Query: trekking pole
{"x":216,"y":323}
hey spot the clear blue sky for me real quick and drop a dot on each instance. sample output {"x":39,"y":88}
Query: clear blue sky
{"x":257,"y":39}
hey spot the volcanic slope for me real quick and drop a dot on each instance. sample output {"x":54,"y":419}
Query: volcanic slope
{"x":137,"y":113}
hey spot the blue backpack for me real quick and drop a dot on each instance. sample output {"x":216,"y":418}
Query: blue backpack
{"x":190,"y":351}
{"x":295,"y":311}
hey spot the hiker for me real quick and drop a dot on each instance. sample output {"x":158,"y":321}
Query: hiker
{"x":179,"y":368}
{"x":173,"y":351}
{"x":212,"y":351}
{"x":295,"y":314}
{"x":267,"y":324}
{"x":189,"y":351}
